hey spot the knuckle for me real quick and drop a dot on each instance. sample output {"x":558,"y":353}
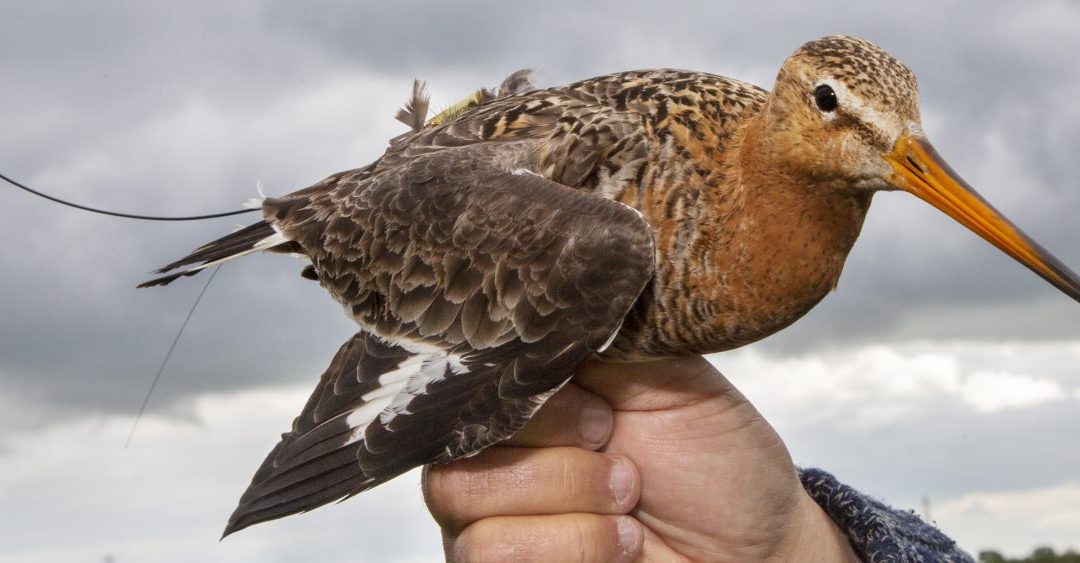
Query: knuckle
{"x":484,"y":542}
{"x":459,"y":492}
{"x":574,"y":537}
{"x":567,"y":477}
{"x":447,"y":491}
{"x":582,"y":545}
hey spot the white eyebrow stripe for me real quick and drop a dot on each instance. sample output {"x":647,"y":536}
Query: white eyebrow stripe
{"x":888,"y":125}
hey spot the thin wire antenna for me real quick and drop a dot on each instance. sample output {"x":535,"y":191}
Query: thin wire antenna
{"x":161,"y":368}
{"x":124,"y":215}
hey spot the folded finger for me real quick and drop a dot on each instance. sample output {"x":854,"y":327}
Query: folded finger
{"x":564,"y":537}
{"x":529,"y":481}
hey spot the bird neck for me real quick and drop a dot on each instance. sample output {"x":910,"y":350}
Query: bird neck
{"x":779,"y":239}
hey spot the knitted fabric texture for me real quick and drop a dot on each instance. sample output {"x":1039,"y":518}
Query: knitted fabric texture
{"x":879,"y":533}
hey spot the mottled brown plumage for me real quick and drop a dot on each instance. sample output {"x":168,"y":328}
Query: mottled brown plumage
{"x":633,"y":216}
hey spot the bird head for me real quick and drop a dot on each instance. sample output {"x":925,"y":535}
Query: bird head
{"x":846,"y":114}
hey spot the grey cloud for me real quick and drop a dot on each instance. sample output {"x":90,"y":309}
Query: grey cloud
{"x":167,"y":497}
{"x":931,"y":438}
{"x":945,"y":451}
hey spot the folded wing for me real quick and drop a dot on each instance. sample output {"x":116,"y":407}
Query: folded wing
{"x":479,"y":287}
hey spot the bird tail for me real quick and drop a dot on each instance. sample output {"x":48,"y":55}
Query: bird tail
{"x":253,"y":238}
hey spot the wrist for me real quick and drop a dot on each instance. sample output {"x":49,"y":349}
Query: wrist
{"x":819,"y":538}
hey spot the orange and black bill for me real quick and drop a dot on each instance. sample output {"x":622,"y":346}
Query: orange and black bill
{"x":920,"y":170}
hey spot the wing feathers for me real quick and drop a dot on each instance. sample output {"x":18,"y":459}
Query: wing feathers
{"x":316,"y":462}
{"x":492,"y":287}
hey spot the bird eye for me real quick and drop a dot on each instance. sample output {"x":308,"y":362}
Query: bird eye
{"x":825,"y":98}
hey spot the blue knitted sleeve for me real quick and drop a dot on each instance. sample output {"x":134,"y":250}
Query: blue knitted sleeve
{"x":879,"y":533}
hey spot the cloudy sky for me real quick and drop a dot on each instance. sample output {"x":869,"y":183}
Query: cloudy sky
{"x":940,"y":370}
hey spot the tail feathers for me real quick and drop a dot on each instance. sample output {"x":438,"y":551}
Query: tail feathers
{"x":255,"y":237}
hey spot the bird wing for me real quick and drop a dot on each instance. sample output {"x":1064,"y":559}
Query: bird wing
{"x":479,"y":286}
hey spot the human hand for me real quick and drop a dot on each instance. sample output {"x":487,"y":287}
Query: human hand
{"x":658,"y":461}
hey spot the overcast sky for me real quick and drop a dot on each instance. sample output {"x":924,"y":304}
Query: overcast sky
{"x":939,"y":368}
